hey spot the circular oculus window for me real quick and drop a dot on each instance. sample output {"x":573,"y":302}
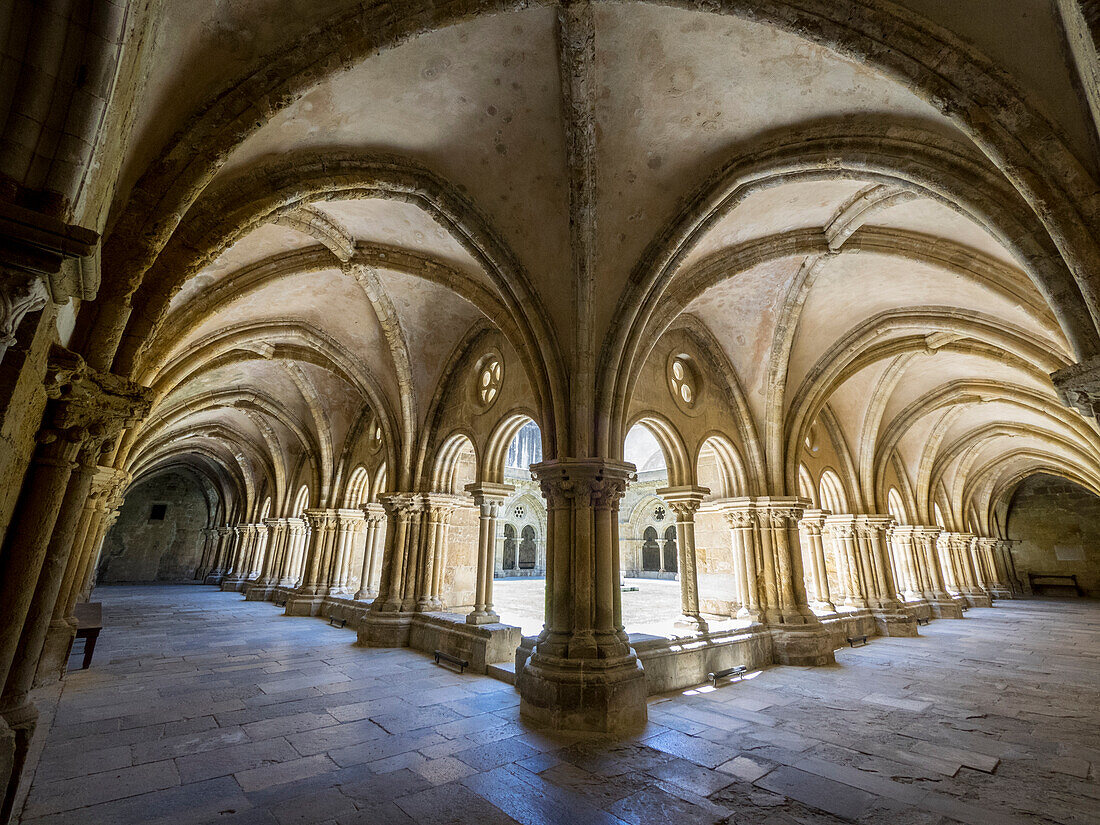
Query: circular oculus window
{"x":682,"y":382}
{"x":490,"y":377}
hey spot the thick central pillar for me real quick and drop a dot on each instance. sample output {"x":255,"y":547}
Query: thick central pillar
{"x":685,"y":502}
{"x":583,"y":674}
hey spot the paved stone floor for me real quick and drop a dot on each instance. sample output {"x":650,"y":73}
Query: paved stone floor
{"x":652,"y":608}
{"x":202,"y":708}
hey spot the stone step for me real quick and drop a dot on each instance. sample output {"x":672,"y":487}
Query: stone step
{"x":504,"y":672}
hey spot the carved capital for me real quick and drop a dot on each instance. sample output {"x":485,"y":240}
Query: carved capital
{"x":1078,"y":386}
{"x":583,"y":482}
{"x":88,"y":406}
{"x":321,"y":519}
{"x":401,"y":506}
{"x":684,"y":501}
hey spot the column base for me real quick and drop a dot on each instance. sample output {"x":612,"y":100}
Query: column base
{"x":378,"y":629}
{"x":894,"y":623}
{"x":697,"y":624}
{"x":978,"y":599}
{"x":213,"y":578}
{"x":586,"y":695}
{"x":945,"y":608}
{"x":802,"y":644}
{"x":259,"y":593}
{"x":235,"y":584}
{"x":482,"y":617}
{"x":1000,"y":593}
{"x":55,"y":652}
{"x":16,"y":733}
{"x":304,"y":605}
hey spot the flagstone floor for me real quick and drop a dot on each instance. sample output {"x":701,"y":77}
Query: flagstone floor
{"x":203,"y":708}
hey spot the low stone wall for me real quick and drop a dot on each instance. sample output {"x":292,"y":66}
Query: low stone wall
{"x":849,"y":624}
{"x":481,"y":645}
{"x":674,"y":664}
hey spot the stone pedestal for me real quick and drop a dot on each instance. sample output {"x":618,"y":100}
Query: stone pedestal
{"x":806,"y":645}
{"x":582,"y":674}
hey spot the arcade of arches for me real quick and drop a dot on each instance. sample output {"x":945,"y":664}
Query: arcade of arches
{"x":786,"y":313}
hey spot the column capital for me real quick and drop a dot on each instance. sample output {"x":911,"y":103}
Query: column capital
{"x":274,"y":523}
{"x":483,"y":492}
{"x":439,"y":506}
{"x":373,"y":512}
{"x":600,"y":482}
{"x":401,"y":505}
{"x":841,"y":526}
{"x":685,"y":500}
{"x":814,"y":519}
{"x":349,"y":517}
{"x":321,"y":519}
{"x":780,"y":510}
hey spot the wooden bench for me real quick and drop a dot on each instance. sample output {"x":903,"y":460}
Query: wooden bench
{"x":335,"y":622}
{"x":923,"y":620}
{"x":89,"y":621}
{"x":737,"y":670}
{"x":857,"y":641}
{"x":461,"y":664}
{"x":1061,"y":581}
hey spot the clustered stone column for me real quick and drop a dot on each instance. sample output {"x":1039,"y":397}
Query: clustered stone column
{"x":582,"y":673}
{"x":926,"y":549}
{"x":438,"y":508}
{"x":850,"y":577}
{"x":209,"y":551}
{"x":350,"y":525}
{"x":994,"y":576}
{"x":318,"y":563}
{"x":685,"y":502}
{"x":43,"y":546}
{"x":914,"y":584}
{"x":221,"y":556}
{"x":387,"y":622}
{"x":865,"y":571}
{"x":262,"y":588}
{"x":374,"y":516}
{"x":290,"y":565}
{"x":490,"y":499}
{"x":742,"y":521}
{"x":956,"y":548}
{"x":813,"y":556}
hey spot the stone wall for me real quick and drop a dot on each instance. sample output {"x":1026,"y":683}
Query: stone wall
{"x":1057,"y":524}
{"x":140,"y":549}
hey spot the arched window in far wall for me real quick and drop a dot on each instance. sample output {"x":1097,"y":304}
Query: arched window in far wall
{"x":528,"y":552}
{"x":651,"y":551}
{"x":509,"y":561}
{"x":670,"y":550}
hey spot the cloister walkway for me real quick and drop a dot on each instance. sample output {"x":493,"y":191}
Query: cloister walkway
{"x":202,"y":708}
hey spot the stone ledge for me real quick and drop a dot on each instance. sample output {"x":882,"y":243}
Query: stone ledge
{"x":674,"y":664}
{"x":481,"y":645}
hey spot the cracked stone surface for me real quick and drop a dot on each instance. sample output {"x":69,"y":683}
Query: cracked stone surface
{"x":200,"y":707}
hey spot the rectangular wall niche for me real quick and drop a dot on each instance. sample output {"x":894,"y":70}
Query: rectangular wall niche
{"x":1064,"y":552}
{"x":158,"y":512}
